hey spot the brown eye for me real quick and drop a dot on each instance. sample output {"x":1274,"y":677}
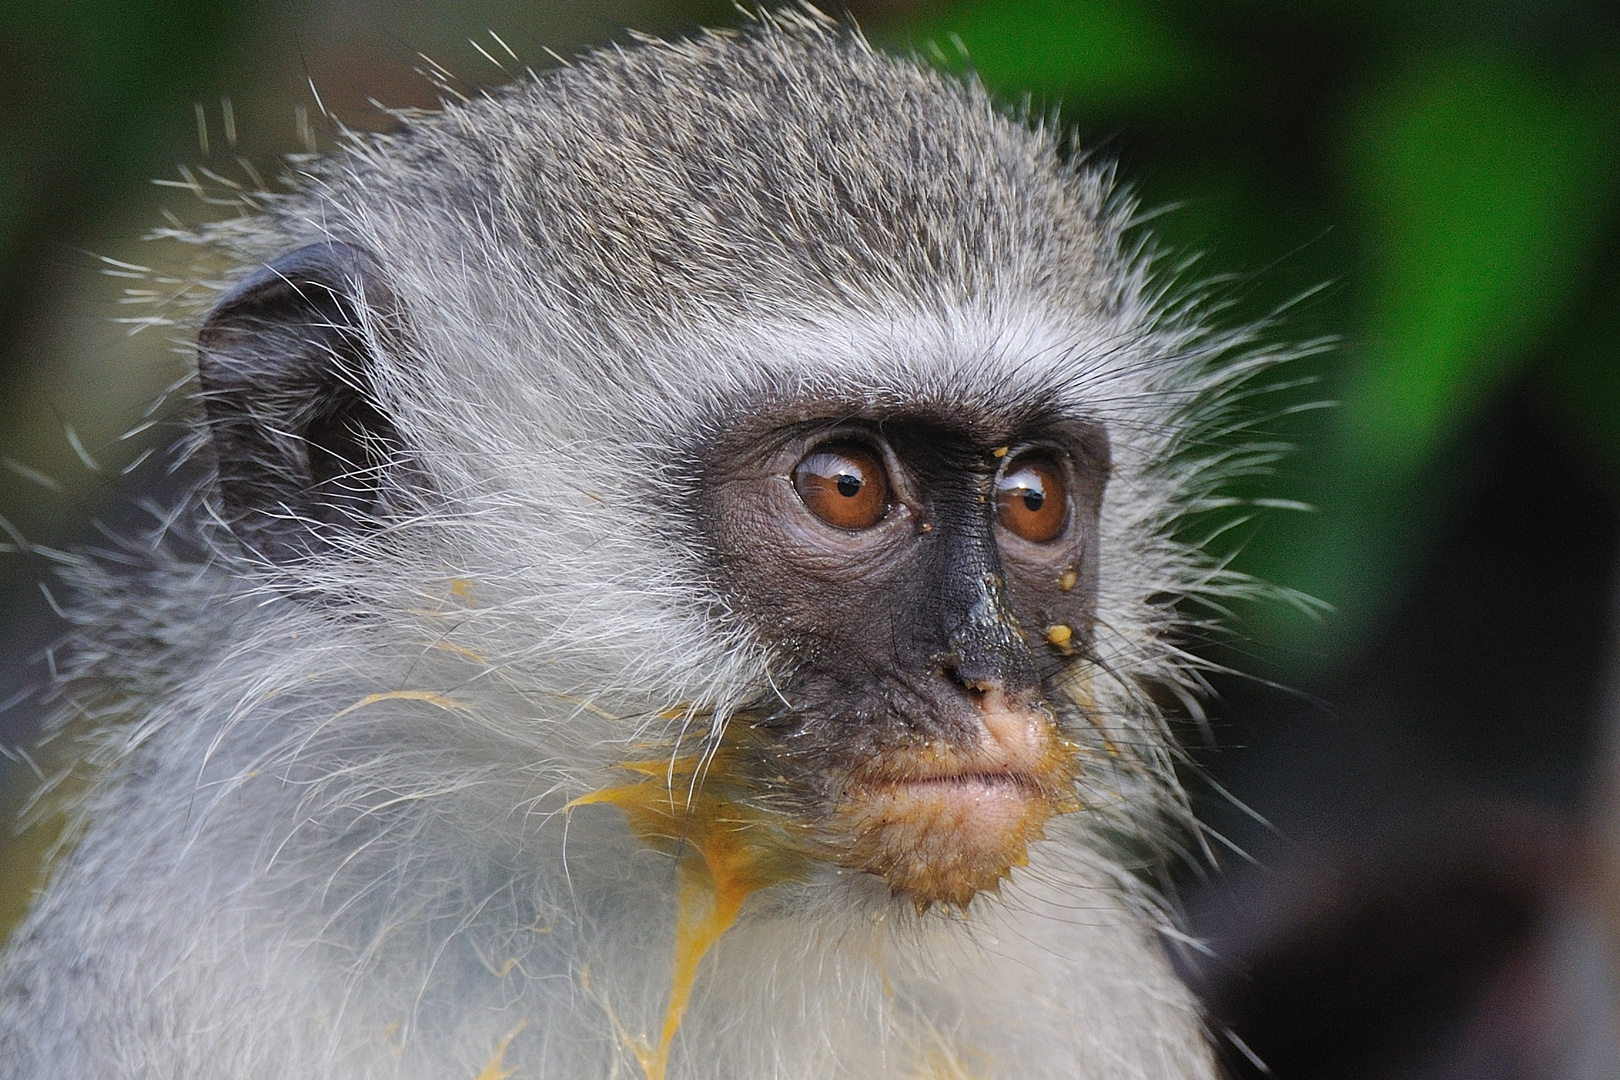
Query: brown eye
{"x":1030,"y":500}
{"x":843,"y":485}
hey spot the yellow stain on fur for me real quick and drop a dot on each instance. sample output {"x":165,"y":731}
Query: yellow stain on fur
{"x":459,"y":651}
{"x":939,"y":1059}
{"x":725,"y":851}
{"x":496,"y":1069}
{"x":941,"y":1063}
{"x":1081,"y":690}
{"x":429,"y":696}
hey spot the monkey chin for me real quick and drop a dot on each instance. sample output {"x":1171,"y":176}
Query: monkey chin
{"x":944,"y":841}
{"x":943,"y":825}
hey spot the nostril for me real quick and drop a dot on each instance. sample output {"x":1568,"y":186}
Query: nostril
{"x":975,"y":686}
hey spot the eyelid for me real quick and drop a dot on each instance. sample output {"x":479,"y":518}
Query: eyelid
{"x":864,"y":438}
{"x":1015,"y":451}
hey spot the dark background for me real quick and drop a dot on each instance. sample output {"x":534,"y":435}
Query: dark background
{"x":1431,"y":182}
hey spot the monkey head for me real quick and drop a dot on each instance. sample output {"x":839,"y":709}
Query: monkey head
{"x":848,"y":430}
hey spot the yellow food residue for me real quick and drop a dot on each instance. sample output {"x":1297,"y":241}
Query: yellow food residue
{"x":1083,"y":693}
{"x":429,"y":696}
{"x":725,"y":850}
{"x":942,"y":1064}
{"x":496,"y":1069}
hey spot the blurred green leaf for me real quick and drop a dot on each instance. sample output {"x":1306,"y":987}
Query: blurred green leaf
{"x":1582,"y":371}
{"x":1098,"y":53}
{"x":1481,"y":183}
{"x":1482,"y":188}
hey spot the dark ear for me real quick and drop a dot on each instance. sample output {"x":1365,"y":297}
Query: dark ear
{"x":285,"y":367}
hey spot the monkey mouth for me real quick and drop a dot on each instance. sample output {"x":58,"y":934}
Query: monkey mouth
{"x":944,"y":839}
{"x":942,"y":824}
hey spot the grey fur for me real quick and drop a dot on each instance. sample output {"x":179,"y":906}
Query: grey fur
{"x":327,"y":838}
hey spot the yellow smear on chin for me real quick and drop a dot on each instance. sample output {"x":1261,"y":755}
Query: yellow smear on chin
{"x":724,"y":850}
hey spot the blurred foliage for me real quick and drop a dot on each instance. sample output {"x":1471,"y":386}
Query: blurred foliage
{"x":1102,"y":54}
{"x":90,"y":95}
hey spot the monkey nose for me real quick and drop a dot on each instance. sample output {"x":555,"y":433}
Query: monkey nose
{"x":1013,"y":737}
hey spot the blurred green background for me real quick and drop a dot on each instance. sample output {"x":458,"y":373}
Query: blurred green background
{"x":1431,"y":183}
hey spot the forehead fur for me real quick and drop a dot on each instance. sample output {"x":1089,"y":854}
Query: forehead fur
{"x":762,"y":176}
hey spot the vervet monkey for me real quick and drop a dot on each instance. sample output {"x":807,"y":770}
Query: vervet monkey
{"x":691,"y":556}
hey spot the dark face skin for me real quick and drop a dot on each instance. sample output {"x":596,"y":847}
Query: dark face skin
{"x":927,"y":575}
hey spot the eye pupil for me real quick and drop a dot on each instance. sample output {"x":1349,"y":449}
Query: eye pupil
{"x":1033,"y":500}
{"x":849,"y":486}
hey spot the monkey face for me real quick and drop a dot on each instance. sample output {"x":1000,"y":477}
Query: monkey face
{"x":924,"y":578}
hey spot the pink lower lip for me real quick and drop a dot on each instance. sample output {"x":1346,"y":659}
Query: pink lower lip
{"x":963,"y":791}
{"x":963,"y":783}
{"x":979,"y":812}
